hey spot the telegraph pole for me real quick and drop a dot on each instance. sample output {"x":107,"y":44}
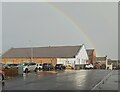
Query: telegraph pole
{"x":31,"y":52}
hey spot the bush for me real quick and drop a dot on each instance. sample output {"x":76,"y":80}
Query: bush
{"x":103,"y":66}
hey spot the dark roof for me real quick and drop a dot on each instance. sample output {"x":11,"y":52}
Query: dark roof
{"x":90,"y":51}
{"x":43,"y":52}
{"x":101,"y":58}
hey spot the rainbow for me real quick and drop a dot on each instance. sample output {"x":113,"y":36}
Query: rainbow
{"x":73,"y":23}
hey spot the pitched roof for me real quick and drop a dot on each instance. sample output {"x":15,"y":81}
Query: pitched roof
{"x":90,"y":51}
{"x":43,"y":52}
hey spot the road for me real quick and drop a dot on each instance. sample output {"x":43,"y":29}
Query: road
{"x":63,"y":80}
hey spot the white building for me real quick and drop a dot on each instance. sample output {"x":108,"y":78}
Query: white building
{"x":79,"y":58}
{"x":67,"y":55}
{"x":103,"y":62}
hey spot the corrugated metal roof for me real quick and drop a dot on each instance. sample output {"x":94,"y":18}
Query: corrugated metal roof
{"x":43,"y":52}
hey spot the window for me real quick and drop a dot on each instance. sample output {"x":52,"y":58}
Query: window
{"x":32,"y":64}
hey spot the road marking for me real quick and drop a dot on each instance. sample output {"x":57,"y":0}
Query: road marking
{"x":102,"y":81}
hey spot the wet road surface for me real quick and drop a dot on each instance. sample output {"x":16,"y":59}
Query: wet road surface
{"x":63,"y":80}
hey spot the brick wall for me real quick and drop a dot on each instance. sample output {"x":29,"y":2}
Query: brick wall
{"x":22,"y":60}
{"x":94,"y":57}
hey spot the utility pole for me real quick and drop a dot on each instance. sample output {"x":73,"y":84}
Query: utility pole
{"x":31,"y":51}
{"x":31,"y":54}
{"x":106,"y":61}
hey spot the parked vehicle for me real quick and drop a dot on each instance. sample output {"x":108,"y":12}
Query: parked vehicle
{"x":47,"y":67}
{"x":116,"y":68}
{"x":27,"y":67}
{"x":39,"y":66}
{"x":89,"y":66}
{"x":6,"y":66}
{"x":69,"y":67}
{"x":59,"y":67}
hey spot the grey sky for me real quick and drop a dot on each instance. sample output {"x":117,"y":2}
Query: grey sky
{"x":0,"y":26}
{"x":119,"y":31}
{"x":49,"y":24}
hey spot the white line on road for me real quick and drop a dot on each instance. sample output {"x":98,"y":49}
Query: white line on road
{"x":102,"y":81}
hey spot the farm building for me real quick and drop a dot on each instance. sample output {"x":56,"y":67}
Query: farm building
{"x":114,"y":63}
{"x":102,"y":61}
{"x":92,"y":56}
{"x":67,"y":55}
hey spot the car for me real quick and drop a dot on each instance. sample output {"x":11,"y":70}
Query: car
{"x":6,"y":66}
{"x":69,"y":67}
{"x":30,"y":66}
{"x":47,"y":67}
{"x":116,"y":68}
{"x":39,"y":66}
{"x":89,"y":66}
{"x":59,"y":67}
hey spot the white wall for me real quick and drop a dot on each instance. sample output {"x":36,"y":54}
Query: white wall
{"x":66,"y":61}
{"x":82,"y":56}
{"x":110,"y":66}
